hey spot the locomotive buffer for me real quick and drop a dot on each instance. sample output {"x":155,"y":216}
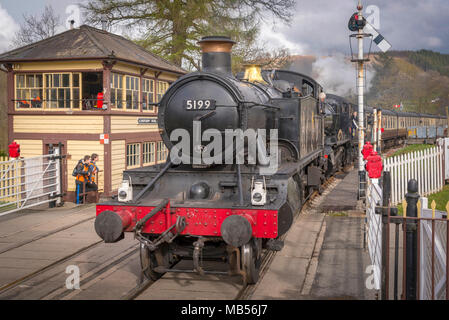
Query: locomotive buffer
{"x":358,"y":23}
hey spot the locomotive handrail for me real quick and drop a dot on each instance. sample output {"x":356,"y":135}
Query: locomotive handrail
{"x":153,"y":212}
{"x":253,"y":104}
{"x":152,"y":182}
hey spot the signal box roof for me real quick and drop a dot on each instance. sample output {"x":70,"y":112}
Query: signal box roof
{"x":88,"y":43}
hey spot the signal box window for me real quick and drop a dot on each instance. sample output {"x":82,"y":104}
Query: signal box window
{"x":148,"y":153}
{"x":132,"y":93}
{"x":117,"y":90}
{"x":162,"y":152}
{"x":133,"y":155}
{"x":148,"y":94}
{"x":29,"y":90}
{"x":61,"y":89}
{"x":162,"y":86}
{"x":48,"y":90}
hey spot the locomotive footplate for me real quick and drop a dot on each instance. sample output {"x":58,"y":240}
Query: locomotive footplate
{"x":156,"y":228}
{"x":112,"y":220}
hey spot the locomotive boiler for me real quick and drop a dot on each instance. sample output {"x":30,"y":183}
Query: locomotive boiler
{"x":215,"y":198}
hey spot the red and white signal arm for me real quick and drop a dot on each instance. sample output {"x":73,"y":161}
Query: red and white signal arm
{"x":104,"y":138}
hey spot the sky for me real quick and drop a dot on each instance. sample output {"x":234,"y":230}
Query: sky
{"x":319,"y":27}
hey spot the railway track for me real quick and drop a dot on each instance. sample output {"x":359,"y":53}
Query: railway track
{"x":22,"y":279}
{"x":245,"y":291}
{"x":38,"y":272}
{"x":92,"y":277}
{"x":42,"y":236}
{"x":48,"y":283}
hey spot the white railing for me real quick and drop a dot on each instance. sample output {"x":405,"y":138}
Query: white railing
{"x":29,"y":182}
{"x":425,"y":166}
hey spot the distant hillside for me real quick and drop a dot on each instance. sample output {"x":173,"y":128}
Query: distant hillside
{"x":420,"y":80}
{"x":426,"y":60}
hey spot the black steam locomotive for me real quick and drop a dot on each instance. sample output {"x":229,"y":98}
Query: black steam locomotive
{"x":190,"y":208}
{"x":270,"y":138}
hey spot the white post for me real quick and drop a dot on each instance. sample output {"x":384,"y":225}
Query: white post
{"x":379,"y":131}
{"x":360,"y":92}
{"x":58,"y":152}
{"x":375,"y":129}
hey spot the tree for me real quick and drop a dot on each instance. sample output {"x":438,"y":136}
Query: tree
{"x":267,"y":59}
{"x":37,"y":27}
{"x":171,"y":28}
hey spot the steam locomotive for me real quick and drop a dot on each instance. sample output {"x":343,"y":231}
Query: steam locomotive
{"x":192,"y":209}
{"x":270,"y":139}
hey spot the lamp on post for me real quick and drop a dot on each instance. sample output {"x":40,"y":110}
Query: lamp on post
{"x":356,"y":24}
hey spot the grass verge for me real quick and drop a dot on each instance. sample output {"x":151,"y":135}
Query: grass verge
{"x":441,"y":199}
{"x":411,"y":148}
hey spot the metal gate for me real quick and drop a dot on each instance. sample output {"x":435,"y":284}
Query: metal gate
{"x":433,"y":242}
{"x":411,"y":260}
{"x":29,"y":182}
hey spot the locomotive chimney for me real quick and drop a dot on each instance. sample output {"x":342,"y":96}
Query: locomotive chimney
{"x":216,"y":54}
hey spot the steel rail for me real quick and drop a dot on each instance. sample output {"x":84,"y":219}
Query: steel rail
{"x":247,"y":290}
{"x":33,"y":274}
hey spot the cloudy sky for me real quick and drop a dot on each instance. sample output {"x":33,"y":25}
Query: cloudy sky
{"x":319,"y":26}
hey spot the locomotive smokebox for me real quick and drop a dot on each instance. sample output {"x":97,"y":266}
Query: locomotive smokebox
{"x":216,"y":54}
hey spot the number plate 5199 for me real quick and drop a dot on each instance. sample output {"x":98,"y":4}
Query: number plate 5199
{"x":206,"y":104}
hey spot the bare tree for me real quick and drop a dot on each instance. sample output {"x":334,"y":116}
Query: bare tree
{"x":254,"y":54}
{"x":37,"y":27}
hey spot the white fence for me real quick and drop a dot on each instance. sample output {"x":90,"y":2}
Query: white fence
{"x":425,"y":166}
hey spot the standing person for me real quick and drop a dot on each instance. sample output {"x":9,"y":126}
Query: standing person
{"x":93,"y":170}
{"x":354,"y":126}
{"x":82,"y":174}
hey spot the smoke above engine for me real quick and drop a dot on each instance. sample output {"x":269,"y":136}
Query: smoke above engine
{"x":335,"y":73}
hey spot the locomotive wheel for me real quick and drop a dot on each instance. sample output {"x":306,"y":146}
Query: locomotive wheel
{"x":150,"y":260}
{"x":250,"y":263}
